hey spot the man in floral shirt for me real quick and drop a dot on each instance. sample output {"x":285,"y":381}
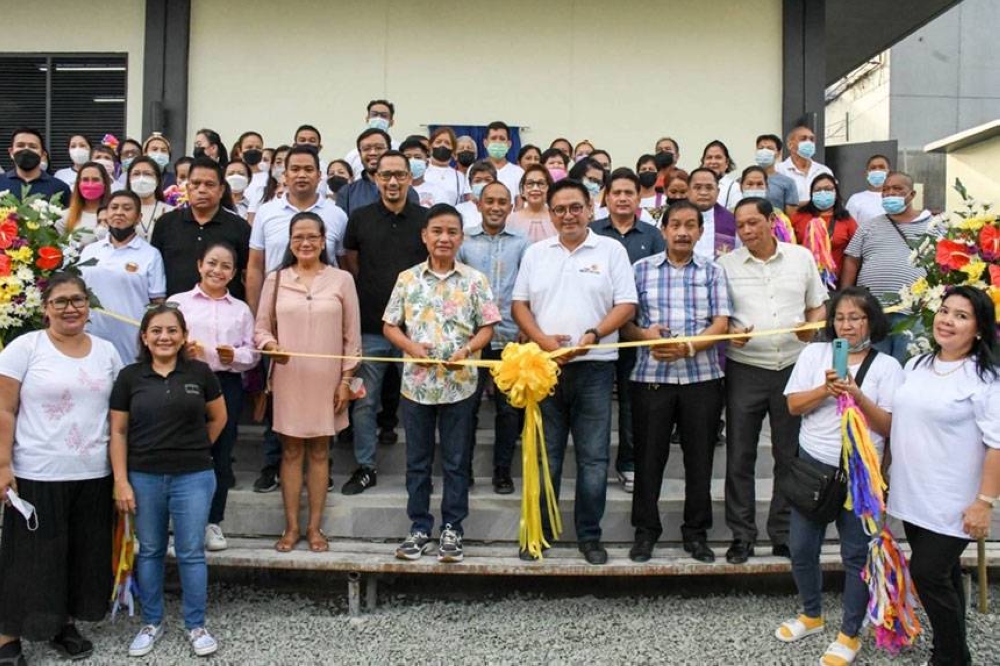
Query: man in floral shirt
{"x":439,"y":309}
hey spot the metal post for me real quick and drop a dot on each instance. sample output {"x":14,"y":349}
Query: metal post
{"x":371,"y":594}
{"x":984,"y":588}
{"x":354,"y":593}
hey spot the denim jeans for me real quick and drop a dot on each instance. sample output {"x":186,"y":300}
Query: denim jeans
{"x":625,"y":460}
{"x":506,"y":423}
{"x":805,"y":538}
{"x":581,"y":405}
{"x":184,"y":499}
{"x":366,"y":409}
{"x":894,"y":345}
{"x":222,"y":450}
{"x":453,"y":422}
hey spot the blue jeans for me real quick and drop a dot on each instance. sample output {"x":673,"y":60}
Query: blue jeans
{"x":581,"y":405}
{"x":805,"y":538}
{"x":222,"y":450}
{"x":185,"y":499}
{"x":453,"y":422}
{"x":366,"y":409}
{"x":894,"y":345}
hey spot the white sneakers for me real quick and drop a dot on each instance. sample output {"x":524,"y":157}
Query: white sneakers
{"x":214,"y":538}
{"x":627,"y":480}
{"x":202,"y":642}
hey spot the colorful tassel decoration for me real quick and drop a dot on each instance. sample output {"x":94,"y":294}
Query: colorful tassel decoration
{"x":126,"y":591}
{"x":817,"y":241}
{"x":783,"y":229}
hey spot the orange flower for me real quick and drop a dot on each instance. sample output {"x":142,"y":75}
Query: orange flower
{"x":951,"y":255}
{"x":8,"y":232}
{"x":4,"y":265}
{"x":49,"y":258}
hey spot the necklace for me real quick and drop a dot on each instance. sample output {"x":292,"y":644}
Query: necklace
{"x":945,"y":374}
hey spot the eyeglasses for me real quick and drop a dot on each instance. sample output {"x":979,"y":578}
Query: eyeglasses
{"x":572,"y":209}
{"x":850,"y":320}
{"x":62,"y":302}
{"x":169,"y":305}
{"x":311,"y":238}
{"x":379,"y":114}
{"x":377,"y":148}
{"x":535,"y":184}
{"x":389,"y":175}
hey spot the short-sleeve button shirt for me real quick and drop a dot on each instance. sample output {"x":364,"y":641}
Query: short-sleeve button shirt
{"x":270,"y":229}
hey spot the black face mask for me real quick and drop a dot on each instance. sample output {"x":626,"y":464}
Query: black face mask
{"x":672,"y":200}
{"x":647,"y":179}
{"x":466,"y":158}
{"x":663,"y":160}
{"x":121,"y":234}
{"x":335,"y":183}
{"x":27,"y":160}
{"x":441,"y":153}
{"x":198,"y":152}
{"x":252,"y":157}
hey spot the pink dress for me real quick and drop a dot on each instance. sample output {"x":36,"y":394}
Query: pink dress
{"x":323,"y":319}
{"x":535,"y":227}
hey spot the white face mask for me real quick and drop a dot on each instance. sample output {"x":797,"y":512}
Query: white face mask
{"x":100,"y":232}
{"x":109,"y":166}
{"x":237,"y":182}
{"x":26,"y":509}
{"x":79,"y":156}
{"x":264,"y":166}
{"x":143,"y":186}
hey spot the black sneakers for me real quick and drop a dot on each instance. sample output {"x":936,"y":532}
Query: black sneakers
{"x":362,"y":479}
{"x":268,"y":481}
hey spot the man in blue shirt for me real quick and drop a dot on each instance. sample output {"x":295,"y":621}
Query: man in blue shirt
{"x":372,"y":144}
{"x":495,"y":251}
{"x":26,"y":148}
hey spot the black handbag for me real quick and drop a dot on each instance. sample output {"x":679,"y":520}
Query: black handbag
{"x":818,"y":491}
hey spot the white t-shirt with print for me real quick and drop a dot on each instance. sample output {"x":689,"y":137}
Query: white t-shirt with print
{"x":61,"y":433}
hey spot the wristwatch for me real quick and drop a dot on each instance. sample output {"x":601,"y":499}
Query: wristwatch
{"x":593,"y":331}
{"x":992,"y":501}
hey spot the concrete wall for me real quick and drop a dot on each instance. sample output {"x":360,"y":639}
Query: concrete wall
{"x":861,"y":113}
{"x":619,"y":74}
{"x":67,"y":26}
{"x":976,"y":167}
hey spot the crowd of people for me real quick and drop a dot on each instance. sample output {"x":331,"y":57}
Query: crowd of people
{"x":269,"y":272}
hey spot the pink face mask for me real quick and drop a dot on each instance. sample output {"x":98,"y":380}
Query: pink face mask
{"x":557,"y":174}
{"x":91,"y":191}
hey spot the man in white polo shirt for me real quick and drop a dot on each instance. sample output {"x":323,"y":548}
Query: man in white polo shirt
{"x":772,"y":285}
{"x":577,"y":288}
{"x":800,"y":166}
{"x":497,"y":144}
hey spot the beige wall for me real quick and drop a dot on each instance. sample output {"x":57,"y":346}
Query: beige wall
{"x":68,"y":26}
{"x":861,"y":113}
{"x":976,"y":167}
{"x":620,"y":74}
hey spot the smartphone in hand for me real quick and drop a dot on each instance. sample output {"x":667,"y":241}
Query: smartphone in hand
{"x":840,"y":350}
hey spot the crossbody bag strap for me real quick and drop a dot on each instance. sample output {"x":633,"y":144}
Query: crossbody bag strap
{"x":274,"y":304}
{"x":865,"y":364}
{"x":901,"y":234}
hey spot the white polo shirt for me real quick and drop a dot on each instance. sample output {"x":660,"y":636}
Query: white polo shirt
{"x":865,"y":206}
{"x":569,"y":292}
{"x":431,"y":193}
{"x":510,"y":175}
{"x":802,"y":179}
{"x":270,"y":229}
{"x":771,"y":294}
{"x":125,"y":279}
{"x":471,"y":217}
{"x":455,"y":185}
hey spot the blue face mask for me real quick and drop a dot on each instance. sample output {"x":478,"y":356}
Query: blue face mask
{"x":592,"y":186}
{"x":379,"y":123}
{"x":418,"y":167}
{"x":760,"y":194}
{"x":497,"y":149}
{"x":764,"y":157}
{"x":806,"y":149}
{"x":477,"y":189}
{"x":876,"y":178}
{"x":823,"y":199}
{"x":893,"y":205}
{"x":161,"y":159}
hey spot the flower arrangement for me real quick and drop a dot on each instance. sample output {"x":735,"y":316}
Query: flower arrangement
{"x":31,"y":249}
{"x":176,"y":195}
{"x":962,"y":248}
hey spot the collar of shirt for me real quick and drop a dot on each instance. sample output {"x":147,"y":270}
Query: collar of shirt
{"x":790,"y":164}
{"x":134,"y":243}
{"x":288,"y":205}
{"x":384,"y":210}
{"x":459,"y":268}
{"x":147,"y":369}
{"x":187,"y":215}
{"x":479,"y":231}
{"x":661,"y":259}
{"x":14,"y":175}
{"x":605,"y":224}
{"x":748,"y":256}
{"x":589,"y":241}
{"x":199,"y":293}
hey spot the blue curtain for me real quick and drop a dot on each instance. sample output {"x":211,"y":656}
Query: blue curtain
{"x":478,"y":132}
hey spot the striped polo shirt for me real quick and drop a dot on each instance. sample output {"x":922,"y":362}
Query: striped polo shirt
{"x":884,"y":256}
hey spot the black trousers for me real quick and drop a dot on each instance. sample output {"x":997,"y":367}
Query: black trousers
{"x":696,"y":410}
{"x":937,"y":575}
{"x":751,"y":394}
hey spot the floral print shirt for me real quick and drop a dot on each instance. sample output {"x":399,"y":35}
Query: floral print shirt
{"x":444,"y":312}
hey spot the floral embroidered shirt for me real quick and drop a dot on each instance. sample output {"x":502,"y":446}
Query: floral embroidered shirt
{"x":443,"y":311}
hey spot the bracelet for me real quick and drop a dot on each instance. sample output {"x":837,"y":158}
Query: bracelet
{"x":593,"y":331}
{"x":468,"y":351}
{"x":346,"y":381}
{"x":992,"y":501}
{"x":691,"y":349}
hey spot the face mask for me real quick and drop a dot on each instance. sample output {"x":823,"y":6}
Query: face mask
{"x":557,"y":174}
{"x":26,"y":509}
{"x":647,"y":179}
{"x":823,"y":200}
{"x":418,"y":167}
{"x":876,"y":178}
{"x":27,"y":160}
{"x":121,"y":235}
{"x":441,"y":153}
{"x":336,"y":183}
{"x":593,"y":187}
{"x":79,"y":156}
{"x":672,"y":200}
{"x":252,"y":157}
{"x":127,"y":162}
{"x":466,"y":158}
{"x":264,"y":166}
{"x":143,"y":186}
{"x":198,"y":152}
{"x":861,"y":346}
{"x":237,"y":182}
{"x":806,"y":149}
{"x":497,"y":149}
{"x":161,"y":159}
{"x":764,"y":157}
{"x":108,"y":165}
{"x":477,"y":189}
{"x":893,"y":205}
{"x":378,"y":123}
{"x":663,"y":160}
{"x":100,"y":232}
{"x":91,"y":191}
{"x":43,"y":165}
{"x":761,"y":194}
{"x":277,"y":171}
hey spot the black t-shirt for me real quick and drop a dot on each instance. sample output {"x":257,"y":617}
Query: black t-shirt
{"x":180,"y":240}
{"x":167,"y":429}
{"x":387,"y":244}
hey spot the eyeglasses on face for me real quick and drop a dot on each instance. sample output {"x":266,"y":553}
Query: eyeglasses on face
{"x":389,"y":175}
{"x":572,"y":209}
{"x":311,"y":238}
{"x":62,"y":302}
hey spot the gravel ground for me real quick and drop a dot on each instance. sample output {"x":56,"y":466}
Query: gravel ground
{"x":263,"y":626}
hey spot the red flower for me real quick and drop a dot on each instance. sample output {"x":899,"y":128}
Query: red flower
{"x":951,"y":255}
{"x":995,"y":276}
{"x":4,"y":265}
{"x":8,"y":232}
{"x":49,"y":258}
{"x":989,"y":242}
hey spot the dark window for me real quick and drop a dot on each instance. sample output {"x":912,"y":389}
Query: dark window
{"x":61,"y":96}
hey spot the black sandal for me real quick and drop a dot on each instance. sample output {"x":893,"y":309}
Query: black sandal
{"x":71,"y":644}
{"x":14,"y":659}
